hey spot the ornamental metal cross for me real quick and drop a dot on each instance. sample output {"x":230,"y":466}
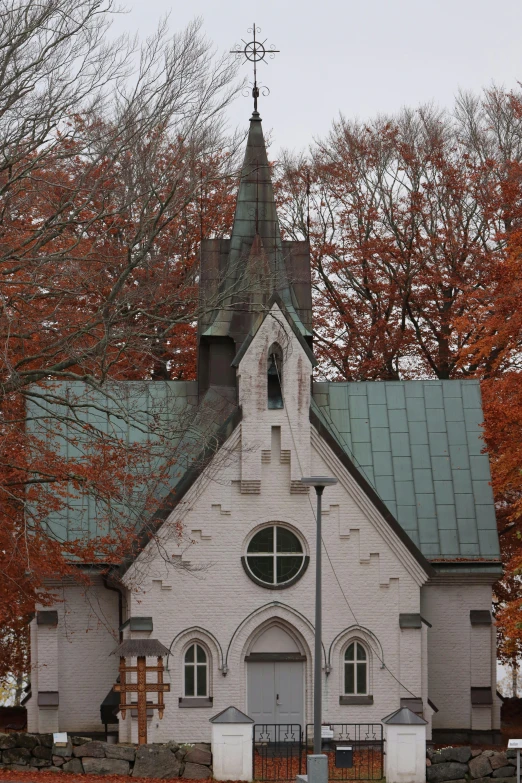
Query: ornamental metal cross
{"x":255,"y":52}
{"x":141,"y":687}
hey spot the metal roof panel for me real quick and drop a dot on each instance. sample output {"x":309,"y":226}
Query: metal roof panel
{"x":426,"y":436}
{"x":378,"y":415}
{"x":395,"y":396}
{"x":382,"y":463}
{"x":405,"y":493}
{"x":416,"y":409}
{"x":446,"y":517}
{"x":421,"y":457}
{"x":408,"y":517}
{"x":385,"y":487}
{"x":400,"y":444}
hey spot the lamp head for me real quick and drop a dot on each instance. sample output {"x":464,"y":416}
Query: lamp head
{"x":319,"y":481}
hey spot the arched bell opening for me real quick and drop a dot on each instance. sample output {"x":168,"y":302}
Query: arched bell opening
{"x":275,"y":377}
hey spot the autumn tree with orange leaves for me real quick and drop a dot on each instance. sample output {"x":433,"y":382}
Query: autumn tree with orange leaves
{"x":415,"y":222}
{"x":114,"y":164}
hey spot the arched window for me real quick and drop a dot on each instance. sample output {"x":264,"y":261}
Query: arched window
{"x":196,"y":671}
{"x":355,"y":670}
{"x":275,"y":377}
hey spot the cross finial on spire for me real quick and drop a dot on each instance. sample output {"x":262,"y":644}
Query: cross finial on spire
{"x":255,"y":52}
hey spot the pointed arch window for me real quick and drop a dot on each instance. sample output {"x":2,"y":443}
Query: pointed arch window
{"x":275,"y":377}
{"x":355,"y":670}
{"x":196,"y":671}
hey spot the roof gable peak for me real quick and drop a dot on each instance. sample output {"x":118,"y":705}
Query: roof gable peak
{"x":275,"y":299}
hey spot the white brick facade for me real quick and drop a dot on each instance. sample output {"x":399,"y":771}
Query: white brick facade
{"x":370,"y":578}
{"x":73,"y":659}
{"x":460,"y":656}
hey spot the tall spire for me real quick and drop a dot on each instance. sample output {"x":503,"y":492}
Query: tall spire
{"x":256,"y":233}
{"x":240,"y":275}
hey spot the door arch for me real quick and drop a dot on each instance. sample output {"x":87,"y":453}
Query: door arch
{"x":275,"y":677}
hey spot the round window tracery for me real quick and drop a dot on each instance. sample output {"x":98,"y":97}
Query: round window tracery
{"x":275,"y":556}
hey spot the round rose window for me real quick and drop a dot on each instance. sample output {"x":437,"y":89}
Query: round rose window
{"x":275,"y":556}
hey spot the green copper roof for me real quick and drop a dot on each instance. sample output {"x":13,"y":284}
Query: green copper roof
{"x":419,"y":444}
{"x":135,"y":412}
{"x":256,"y":264}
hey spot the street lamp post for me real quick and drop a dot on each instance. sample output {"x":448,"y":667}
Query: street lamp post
{"x":319,"y":482}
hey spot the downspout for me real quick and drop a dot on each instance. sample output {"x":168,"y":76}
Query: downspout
{"x":120,"y":604}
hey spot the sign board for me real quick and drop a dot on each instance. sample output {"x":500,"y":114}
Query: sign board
{"x":515,"y":743}
{"x":60,"y":739}
{"x":326,"y":732}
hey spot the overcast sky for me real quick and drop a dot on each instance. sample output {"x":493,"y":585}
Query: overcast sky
{"x":358,"y":57}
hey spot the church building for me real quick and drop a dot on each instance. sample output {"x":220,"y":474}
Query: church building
{"x":227,"y":581}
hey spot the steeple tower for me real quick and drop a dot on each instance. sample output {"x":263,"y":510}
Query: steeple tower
{"x":240,"y":275}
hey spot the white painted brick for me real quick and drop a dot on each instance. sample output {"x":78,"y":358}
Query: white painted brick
{"x":376,"y":579}
{"x":459,"y":654}
{"x":73,"y":659}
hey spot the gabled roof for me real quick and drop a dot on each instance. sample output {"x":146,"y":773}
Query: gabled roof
{"x":289,"y":315}
{"x":415,"y":447}
{"x":318,"y":421}
{"x":132,"y":411}
{"x":418,"y":445}
{"x":132,"y":648}
{"x":404,"y":717}
{"x":231,"y":715}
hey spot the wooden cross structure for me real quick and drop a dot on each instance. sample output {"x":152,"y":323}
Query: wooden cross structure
{"x":141,"y":649}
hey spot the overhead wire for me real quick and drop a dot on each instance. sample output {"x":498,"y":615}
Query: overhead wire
{"x":384,"y":665}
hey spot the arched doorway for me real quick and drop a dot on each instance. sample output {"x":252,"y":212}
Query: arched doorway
{"x":275,"y":678}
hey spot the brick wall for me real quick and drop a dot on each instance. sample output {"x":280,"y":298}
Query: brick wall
{"x":73,"y":659}
{"x":460,"y":656}
{"x":378,"y":576}
{"x":194,"y":586}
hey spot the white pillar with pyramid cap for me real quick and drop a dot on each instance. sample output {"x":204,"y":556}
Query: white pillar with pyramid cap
{"x":405,"y":738}
{"x":232,"y":737}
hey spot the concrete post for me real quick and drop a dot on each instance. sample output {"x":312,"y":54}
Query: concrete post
{"x":405,"y":738}
{"x":232,"y":741}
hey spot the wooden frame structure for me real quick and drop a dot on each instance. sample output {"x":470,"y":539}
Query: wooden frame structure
{"x":141,"y":649}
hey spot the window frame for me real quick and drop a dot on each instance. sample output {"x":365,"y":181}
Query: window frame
{"x":194,"y":644}
{"x":354,"y":663}
{"x":274,"y":554}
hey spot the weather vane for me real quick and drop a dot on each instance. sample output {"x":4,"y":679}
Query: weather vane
{"x":255,"y":52}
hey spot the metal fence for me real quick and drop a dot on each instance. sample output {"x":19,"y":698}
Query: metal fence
{"x":366,"y":740}
{"x":278,"y":751}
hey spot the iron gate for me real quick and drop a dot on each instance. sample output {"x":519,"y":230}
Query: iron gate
{"x":280,"y":750}
{"x":277,"y":751}
{"x":366,"y":740}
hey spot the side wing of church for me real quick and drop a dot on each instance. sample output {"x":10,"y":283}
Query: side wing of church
{"x":410,"y":546}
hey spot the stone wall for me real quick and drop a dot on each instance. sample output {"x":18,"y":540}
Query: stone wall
{"x":462,"y":764}
{"x":37,"y":751}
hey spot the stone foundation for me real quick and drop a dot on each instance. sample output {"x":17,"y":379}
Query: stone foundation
{"x":37,"y":751}
{"x":463,"y":764}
